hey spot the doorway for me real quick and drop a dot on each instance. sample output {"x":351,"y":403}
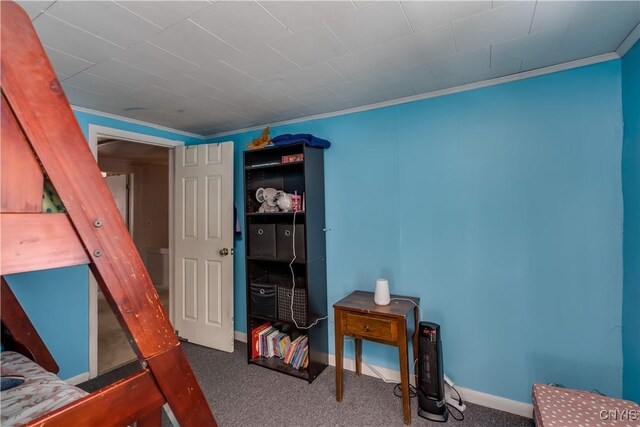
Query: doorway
{"x":143,"y":165}
{"x":138,"y":177}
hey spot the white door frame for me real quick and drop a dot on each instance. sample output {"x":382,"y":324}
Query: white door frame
{"x":96,"y":132}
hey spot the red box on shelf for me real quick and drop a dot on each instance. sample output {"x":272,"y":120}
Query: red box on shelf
{"x":293,"y":158}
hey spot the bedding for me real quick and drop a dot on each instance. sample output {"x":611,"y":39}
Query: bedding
{"x":563,"y":407}
{"x":40,"y":393}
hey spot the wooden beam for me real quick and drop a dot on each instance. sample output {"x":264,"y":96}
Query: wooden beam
{"x":21,"y":179}
{"x":36,"y":97}
{"x":23,"y":335}
{"x":62,"y":150}
{"x":116,"y":405}
{"x":154,"y":419}
{"x":168,"y":366}
{"x":33,"y":242}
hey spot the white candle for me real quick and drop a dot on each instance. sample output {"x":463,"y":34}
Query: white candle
{"x":381,"y":296}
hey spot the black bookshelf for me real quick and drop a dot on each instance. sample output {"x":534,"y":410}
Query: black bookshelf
{"x":263,"y":169}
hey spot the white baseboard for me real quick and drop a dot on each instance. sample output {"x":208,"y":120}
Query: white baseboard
{"x":240,"y":336}
{"x":78,"y":379}
{"x":496,"y":402}
{"x":388,"y":374}
{"x":468,"y":395}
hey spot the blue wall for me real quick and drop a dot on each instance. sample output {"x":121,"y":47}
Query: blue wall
{"x":57,"y":301}
{"x":86,"y":119}
{"x":501,"y":208}
{"x":631,"y":191}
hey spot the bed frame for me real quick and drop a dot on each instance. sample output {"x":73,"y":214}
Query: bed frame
{"x":41,"y":138}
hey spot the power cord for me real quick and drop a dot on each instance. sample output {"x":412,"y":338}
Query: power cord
{"x":413,"y":392}
{"x":411,"y":301}
{"x":450,"y":407}
{"x":293,"y":278}
{"x":397,"y":392}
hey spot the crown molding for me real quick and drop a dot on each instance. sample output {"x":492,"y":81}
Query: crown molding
{"x":506,"y":79}
{"x":137,"y":122}
{"x":629,"y":41}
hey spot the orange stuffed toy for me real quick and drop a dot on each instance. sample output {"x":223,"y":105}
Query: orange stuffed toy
{"x":261,"y":142}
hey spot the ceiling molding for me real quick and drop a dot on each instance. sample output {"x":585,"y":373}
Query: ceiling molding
{"x":629,"y":41}
{"x":492,"y":82}
{"x":134,"y":121}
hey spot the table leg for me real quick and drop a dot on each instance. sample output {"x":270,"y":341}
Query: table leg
{"x":358,"y":356}
{"x":339,"y":348}
{"x":404,"y":372}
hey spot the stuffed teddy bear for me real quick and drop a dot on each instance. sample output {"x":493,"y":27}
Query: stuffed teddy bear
{"x":268,"y":198}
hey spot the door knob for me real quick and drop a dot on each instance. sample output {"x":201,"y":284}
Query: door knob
{"x":223,"y":252}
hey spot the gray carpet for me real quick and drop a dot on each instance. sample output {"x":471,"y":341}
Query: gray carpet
{"x":248,"y":395}
{"x":113,"y":345}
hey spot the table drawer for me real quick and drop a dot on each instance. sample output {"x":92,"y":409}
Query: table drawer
{"x":369,"y":326}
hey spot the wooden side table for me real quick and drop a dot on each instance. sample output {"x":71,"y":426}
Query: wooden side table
{"x":359,"y":317}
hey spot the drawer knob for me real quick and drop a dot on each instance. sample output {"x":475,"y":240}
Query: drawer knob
{"x":366,"y":328}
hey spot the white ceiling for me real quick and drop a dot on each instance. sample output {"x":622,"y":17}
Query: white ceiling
{"x":209,"y":67}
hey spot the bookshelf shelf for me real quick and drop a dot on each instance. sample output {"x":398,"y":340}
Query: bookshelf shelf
{"x":262,"y":170}
{"x":274,"y":320}
{"x":275,"y":214}
{"x":259,"y":258}
{"x":274,"y":165}
{"x":276,"y":364}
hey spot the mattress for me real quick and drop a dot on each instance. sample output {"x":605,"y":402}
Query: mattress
{"x":40,"y":393}
{"x":562,"y":407}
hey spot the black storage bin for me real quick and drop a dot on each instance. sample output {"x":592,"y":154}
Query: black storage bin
{"x":299,"y":304}
{"x":284,"y":242}
{"x":264,"y":299}
{"x":262,"y":240}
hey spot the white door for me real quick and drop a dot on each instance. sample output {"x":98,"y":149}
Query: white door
{"x":203,"y":236}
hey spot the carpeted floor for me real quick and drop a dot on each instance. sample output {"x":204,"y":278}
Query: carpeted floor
{"x":113,"y":346}
{"x":248,"y":395}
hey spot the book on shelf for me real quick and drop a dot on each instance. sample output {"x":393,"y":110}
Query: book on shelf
{"x":301,"y":363}
{"x":298,"y":355}
{"x":284,"y":346}
{"x":292,"y":349}
{"x":270,"y":347}
{"x":262,"y":338}
{"x":268,"y":341}
{"x":255,"y":343}
{"x":276,"y":344}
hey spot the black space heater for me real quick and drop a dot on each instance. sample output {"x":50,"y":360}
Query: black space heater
{"x":431,"y":401}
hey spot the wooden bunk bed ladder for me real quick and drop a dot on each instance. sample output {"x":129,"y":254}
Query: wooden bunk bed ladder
{"x":40,"y":134}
